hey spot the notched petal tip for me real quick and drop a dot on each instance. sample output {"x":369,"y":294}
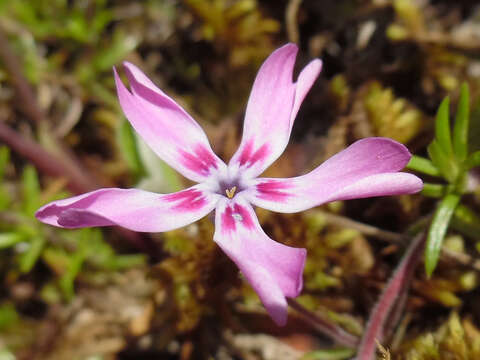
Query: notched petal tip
{"x":311,"y":70}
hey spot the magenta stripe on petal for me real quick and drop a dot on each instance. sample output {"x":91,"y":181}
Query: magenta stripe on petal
{"x":250,"y":157}
{"x":273,"y":190}
{"x":201,"y":161}
{"x":187,"y":200}
{"x":242,"y":215}
{"x":228,"y":221}
{"x":233,"y":214}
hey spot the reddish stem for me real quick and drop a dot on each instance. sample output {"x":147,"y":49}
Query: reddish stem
{"x":25,"y":93}
{"x":394,"y":290}
{"x":44,"y":161}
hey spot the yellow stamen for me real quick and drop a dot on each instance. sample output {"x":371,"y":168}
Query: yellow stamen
{"x":231,"y":192}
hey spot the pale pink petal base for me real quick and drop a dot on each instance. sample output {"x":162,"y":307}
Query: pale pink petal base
{"x":367,"y":168}
{"x":133,"y":209}
{"x":274,"y":270}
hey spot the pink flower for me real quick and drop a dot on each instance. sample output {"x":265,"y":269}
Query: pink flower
{"x":367,"y":168}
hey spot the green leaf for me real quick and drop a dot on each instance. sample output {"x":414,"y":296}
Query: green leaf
{"x":437,"y":231}
{"x":434,"y":190}
{"x":67,"y":280}
{"x":160,"y":177}
{"x":120,"y":262}
{"x":8,"y":316}
{"x":466,"y":221}
{"x":460,"y":130}
{"x":5,"y":198}
{"x":442,"y":127}
{"x":5,"y":193}
{"x":473,"y":160}
{"x":4,"y":159}
{"x":30,"y":257}
{"x":420,"y":164}
{"x":30,"y":191}
{"x":332,"y":354}
{"x":116,"y":50}
{"x":127,"y":142}
{"x":445,"y":163}
{"x":474,"y":128}
{"x":10,"y":238}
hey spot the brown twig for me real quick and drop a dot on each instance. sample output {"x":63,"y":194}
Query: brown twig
{"x":392,"y":237}
{"x":291,"y":19}
{"x":365,"y":229}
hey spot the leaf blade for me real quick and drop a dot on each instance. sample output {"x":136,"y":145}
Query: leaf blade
{"x":442,"y":127}
{"x":420,"y":164}
{"x":462,"y":119}
{"x":442,"y":161}
{"x":437,"y":231}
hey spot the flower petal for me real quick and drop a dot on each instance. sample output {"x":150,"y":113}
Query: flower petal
{"x":166,"y":127}
{"x":271,"y":110}
{"x":133,"y":209}
{"x":366,"y":168}
{"x":274,"y":270}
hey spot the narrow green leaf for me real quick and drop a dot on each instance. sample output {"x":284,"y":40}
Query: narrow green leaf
{"x":433,"y":190}
{"x":474,"y":128}
{"x":445,"y":163}
{"x":8,"y":316}
{"x":159,"y":176}
{"x":128,"y":146}
{"x":4,"y":159}
{"x":460,"y":130}
{"x":466,"y":221}
{"x":473,"y":160}
{"x":118,"y":48}
{"x":420,"y":164}
{"x":9,"y":239}
{"x":438,"y":229}
{"x":5,"y":198}
{"x":67,"y":281}
{"x":31,"y":190}
{"x":30,"y":257}
{"x":331,"y":354}
{"x":442,"y":127}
